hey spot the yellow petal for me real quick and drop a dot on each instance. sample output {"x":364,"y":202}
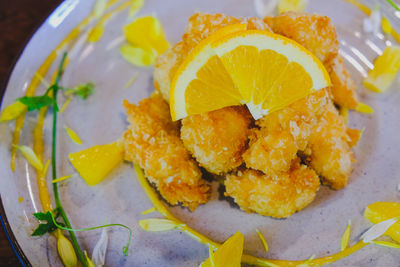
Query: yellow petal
{"x":89,"y":262}
{"x":131,"y":81}
{"x":62,"y":178}
{"x":260,"y":235}
{"x":135,"y":7}
{"x":157,"y":225}
{"x":66,"y":251}
{"x":291,"y":5}
{"x":153,"y":209}
{"x":364,"y":108}
{"x":99,"y":8}
{"x":65,"y":105}
{"x":211,"y":256}
{"x":96,"y":33}
{"x":30,"y":156}
{"x":385,"y":69}
{"x":386,"y":27}
{"x":12,"y":111}
{"x":137,"y":55}
{"x":387,"y":244}
{"x":344,"y":112}
{"x":229,"y":253}
{"x":345,"y":237}
{"x":73,"y":135}
{"x":94,"y":163}
{"x":147,"y":33}
{"x":307,"y":263}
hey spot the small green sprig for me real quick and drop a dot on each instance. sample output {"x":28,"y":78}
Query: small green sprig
{"x":49,"y":226}
{"x":83,"y":90}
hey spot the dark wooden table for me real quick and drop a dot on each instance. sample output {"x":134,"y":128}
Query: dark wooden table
{"x":18,"y":21}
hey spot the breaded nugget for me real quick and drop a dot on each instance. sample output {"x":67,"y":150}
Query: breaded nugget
{"x":271,"y":153}
{"x":329,"y":148}
{"x":199,"y":27}
{"x":343,"y":88}
{"x":276,"y":196}
{"x":217,"y":138}
{"x":314,"y":32}
{"x":152,"y":141}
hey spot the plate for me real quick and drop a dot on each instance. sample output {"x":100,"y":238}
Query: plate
{"x":120,"y":199}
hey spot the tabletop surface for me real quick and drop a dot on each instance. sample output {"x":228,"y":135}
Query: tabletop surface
{"x":18,"y":21}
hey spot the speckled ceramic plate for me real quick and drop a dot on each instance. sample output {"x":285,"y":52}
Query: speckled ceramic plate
{"x":120,"y":199}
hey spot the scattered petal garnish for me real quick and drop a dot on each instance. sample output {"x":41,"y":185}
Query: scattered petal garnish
{"x":73,"y":135}
{"x":135,"y":7}
{"x":364,"y":108}
{"x":381,"y":211}
{"x":385,"y":69}
{"x":153,"y":209}
{"x":292,"y":5}
{"x":345,"y":237}
{"x":30,"y":156}
{"x":386,"y":244}
{"x":66,"y":251}
{"x":131,"y":81}
{"x":386,"y":26}
{"x":378,"y":230}
{"x":96,"y":33}
{"x":260,"y":235}
{"x":211,"y":256}
{"x":354,"y":135}
{"x":307,"y":263}
{"x":20,"y":199}
{"x":229,"y":253}
{"x":147,"y":33}
{"x":344,"y":112}
{"x":158,"y":225}
{"x":12,"y":111}
{"x":65,"y":105}
{"x":62,"y":178}
{"x":372,"y":24}
{"x":88,"y":261}
{"x":137,"y":55}
{"x":99,"y":250}
{"x":99,"y":8}
{"x":264,"y":7}
{"x":94,"y":163}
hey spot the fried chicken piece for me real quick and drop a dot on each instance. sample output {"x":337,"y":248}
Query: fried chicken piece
{"x":271,"y":153}
{"x":343,"y":88}
{"x":199,"y":27}
{"x":152,"y":141}
{"x":277,"y":196}
{"x":314,"y":32}
{"x":329,"y":148}
{"x":217,"y":138}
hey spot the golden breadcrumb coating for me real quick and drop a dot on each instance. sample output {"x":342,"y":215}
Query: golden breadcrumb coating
{"x":217,"y":138}
{"x":199,"y":27}
{"x":271,"y":153}
{"x":152,"y":141}
{"x":277,"y":196}
{"x":314,"y":32}
{"x":343,"y":88}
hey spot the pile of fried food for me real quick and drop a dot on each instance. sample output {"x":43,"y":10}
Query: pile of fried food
{"x":273,"y":166}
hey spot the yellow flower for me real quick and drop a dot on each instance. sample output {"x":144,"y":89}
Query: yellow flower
{"x":66,"y":251}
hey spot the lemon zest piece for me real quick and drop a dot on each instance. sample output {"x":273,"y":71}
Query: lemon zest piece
{"x":157,"y":225}
{"x":62,"y":178}
{"x":364,"y":108}
{"x":265,"y":244}
{"x":386,"y":244}
{"x":73,"y":135}
{"x":153,"y":209}
{"x":65,"y":105}
{"x":131,"y":81}
{"x":248,"y":259}
{"x":12,"y":111}
{"x":30,"y":156}
{"x":345,"y":237}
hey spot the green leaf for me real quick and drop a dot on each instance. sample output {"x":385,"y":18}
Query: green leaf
{"x":36,"y":102}
{"x":83,"y":90}
{"x":40,"y":216}
{"x":47,"y":227}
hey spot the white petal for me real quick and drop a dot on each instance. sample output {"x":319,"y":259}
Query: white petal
{"x":99,"y":251}
{"x":378,"y":230}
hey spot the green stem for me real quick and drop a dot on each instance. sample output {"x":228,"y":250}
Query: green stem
{"x":124,"y":249}
{"x":393,"y":4}
{"x":54,"y":166}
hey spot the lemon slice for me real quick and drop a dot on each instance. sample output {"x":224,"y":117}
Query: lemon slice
{"x":263,"y":70}
{"x":94,"y":163}
{"x":385,"y":69}
{"x":382,"y":211}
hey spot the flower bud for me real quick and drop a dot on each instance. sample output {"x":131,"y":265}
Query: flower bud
{"x":66,"y":251}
